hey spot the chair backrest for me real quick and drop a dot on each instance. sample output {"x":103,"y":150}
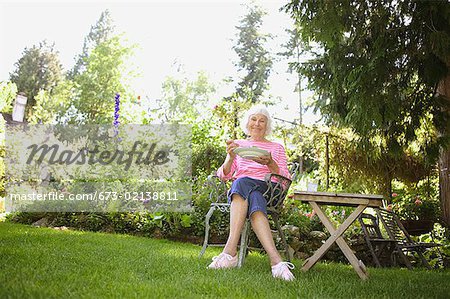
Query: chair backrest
{"x":370,"y":226}
{"x":294,"y":169}
{"x":393,"y":226}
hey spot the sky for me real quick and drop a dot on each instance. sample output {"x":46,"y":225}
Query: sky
{"x":185,"y":35}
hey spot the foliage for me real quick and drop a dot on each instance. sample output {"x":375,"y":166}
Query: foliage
{"x":51,"y":107}
{"x":203,"y":195}
{"x":38,"y":68}
{"x":438,"y":256}
{"x":2,"y":158}
{"x":126,"y":223}
{"x":350,"y":160}
{"x":362,"y":41}
{"x":295,"y":214}
{"x":208,"y":150}
{"x":8,"y":92}
{"x":302,"y":142}
{"x":184,"y":100}
{"x":228,"y":114}
{"x":417,"y":201}
{"x":350,"y":170}
{"x":416,"y":209}
{"x":345,"y":172}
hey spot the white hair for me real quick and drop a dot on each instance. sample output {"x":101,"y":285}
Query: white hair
{"x":257,"y":109}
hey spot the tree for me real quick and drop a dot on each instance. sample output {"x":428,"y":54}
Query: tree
{"x":99,"y":73}
{"x":38,"y":68}
{"x":102,"y":31}
{"x":184,"y":100}
{"x":255,"y":62}
{"x":378,"y":71}
{"x":294,"y":49}
{"x":254,"y":65}
{"x":105,"y":74}
{"x":51,"y":108}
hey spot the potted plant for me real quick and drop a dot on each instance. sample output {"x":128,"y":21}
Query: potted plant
{"x":417,"y":215}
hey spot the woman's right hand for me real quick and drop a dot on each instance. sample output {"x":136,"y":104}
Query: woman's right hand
{"x":231,"y":145}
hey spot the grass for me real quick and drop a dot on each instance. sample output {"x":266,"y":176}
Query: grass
{"x":47,"y":263}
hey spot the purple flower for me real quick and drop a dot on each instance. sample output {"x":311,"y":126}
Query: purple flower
{"x":116,"y":114}
{"x":116,"y":109}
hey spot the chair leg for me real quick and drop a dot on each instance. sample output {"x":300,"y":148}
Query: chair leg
{"x":244,"y":242}
{"x":207,"y":226}
{"x":390,"y":254}
{"x":394,"y":258}
{"x":289,"y":256}
{"x":374,"y":255}
{"x":405,"y":259}
{"x":424,"y":260}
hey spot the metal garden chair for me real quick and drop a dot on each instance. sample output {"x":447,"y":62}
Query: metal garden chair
{"x":275,"y":196}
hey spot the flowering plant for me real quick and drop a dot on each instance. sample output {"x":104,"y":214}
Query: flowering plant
{"x":415,"y":208}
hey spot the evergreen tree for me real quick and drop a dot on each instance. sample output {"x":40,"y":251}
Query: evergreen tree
{"x":38,"y":69}
{"x":102,"y":31}
{"x":294,"y":49}
{"x":254,"y":66}
{"x":255,"y":62}
{"x":383,"y":70}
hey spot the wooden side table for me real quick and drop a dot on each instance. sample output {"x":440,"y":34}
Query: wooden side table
{"x":359,"y":202}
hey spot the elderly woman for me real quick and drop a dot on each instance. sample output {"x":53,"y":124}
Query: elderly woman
{"x":246,"y":193}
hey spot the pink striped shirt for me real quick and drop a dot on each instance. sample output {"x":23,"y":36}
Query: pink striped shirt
{"x":247,"y":168}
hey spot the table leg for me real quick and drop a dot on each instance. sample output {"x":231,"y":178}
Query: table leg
{"x":336,"y":237}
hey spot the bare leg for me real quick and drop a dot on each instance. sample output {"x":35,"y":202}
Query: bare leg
{"x":261,"y":227}
{"x":238,"y":213}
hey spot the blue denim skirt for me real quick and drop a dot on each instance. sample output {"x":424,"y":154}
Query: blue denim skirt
{"x":251,"y":190}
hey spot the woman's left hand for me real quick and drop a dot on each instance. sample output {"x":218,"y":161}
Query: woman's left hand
{"x":264,"y":160}
{"x":268,"y":161}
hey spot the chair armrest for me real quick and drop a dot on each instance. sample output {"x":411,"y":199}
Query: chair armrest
{"x":218,"y":189}
{"x":276,"y":191}
{"x":279,"y":180}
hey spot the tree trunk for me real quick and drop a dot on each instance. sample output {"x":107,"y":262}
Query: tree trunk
{"x":444,"y":163}
{"x":444,"y":185}
{"x":327,"y":160}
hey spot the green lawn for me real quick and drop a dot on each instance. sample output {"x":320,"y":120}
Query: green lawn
{"x":47,"y":263}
